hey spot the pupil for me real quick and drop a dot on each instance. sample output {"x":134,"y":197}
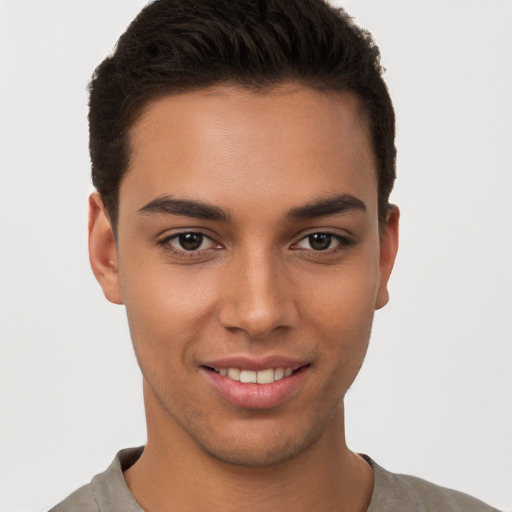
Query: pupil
{"x":320,"y":241}
{"x":191,"y":241}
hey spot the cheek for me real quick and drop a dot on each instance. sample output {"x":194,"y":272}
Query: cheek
{"x":345,"y":297}
{"x":166,"y":309}
{"x":341,"y":310}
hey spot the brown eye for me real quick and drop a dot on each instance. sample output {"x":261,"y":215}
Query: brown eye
{"x":190,"y":241}
{"x":320,"y":241}
{"x":189,"y":244}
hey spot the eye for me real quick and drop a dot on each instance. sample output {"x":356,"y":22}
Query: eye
{"x":189,"y":242}
{"x":321,"y":242}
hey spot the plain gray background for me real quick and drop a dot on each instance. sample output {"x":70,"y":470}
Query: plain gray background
{"x":434,"y":396}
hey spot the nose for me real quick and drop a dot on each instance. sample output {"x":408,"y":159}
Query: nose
{"x":258,"y":296}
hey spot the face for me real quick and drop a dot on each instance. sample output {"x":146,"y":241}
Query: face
{"x":250,"y":264}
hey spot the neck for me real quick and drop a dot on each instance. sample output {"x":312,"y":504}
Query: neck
{"x":174,"y":473}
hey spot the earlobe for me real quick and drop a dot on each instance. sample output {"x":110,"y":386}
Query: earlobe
{"x":388,"y":250}
{"x":102,"y":250}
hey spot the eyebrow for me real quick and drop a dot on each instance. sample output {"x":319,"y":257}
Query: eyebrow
{"x":185,"y":207}
{"x":189,"y":208}
{"x":324,"y":207}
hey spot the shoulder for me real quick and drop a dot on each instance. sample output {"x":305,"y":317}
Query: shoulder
{"x":81,"y":500}
{"x":107,"y":491}
{"x":397,"y":493}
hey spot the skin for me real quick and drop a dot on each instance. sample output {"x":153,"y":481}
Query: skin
{"x":258,"y":286}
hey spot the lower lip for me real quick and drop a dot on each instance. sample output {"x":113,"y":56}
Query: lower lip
{"x":256,"y":396}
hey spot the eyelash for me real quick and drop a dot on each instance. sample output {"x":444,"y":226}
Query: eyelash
{"x":183,"y":253}
{"x":343,"y":243}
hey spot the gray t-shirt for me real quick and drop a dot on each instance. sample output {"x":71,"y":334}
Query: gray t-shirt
{"x":108,"y":492}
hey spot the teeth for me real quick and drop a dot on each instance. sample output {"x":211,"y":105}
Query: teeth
{"x":262,"y":377}
{"x":265,"y":376}
{"x":247,"y":376}
{"x":233,"y":373}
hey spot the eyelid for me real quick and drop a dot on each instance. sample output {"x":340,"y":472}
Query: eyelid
{"x":170,"y":233}
{"x":164,"y":241}
{"x":343,"y":239}
{"x":204,"y":238}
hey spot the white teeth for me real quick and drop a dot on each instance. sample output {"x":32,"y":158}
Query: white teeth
{"x":250,"y":377}
{"x":278,"y":373}
{"x":265,"y":376}
{"x":233,"y":373}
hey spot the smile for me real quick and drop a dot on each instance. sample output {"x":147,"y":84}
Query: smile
{"x":266,"y":376}
{"x":261,"y":386}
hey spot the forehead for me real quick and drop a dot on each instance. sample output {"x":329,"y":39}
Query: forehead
{"x":287,"y":144}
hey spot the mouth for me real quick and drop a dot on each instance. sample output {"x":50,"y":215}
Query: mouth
{"x":252,"y":385}
{"x":266,"y":376}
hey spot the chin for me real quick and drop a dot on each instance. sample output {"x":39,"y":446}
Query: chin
{"x":259,"y":447}
{"x":240,"y":454}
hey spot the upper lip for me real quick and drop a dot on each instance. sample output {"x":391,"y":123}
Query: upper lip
{"x":255,"y":364}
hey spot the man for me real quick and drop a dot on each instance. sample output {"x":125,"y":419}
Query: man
{"x":243,"y":155}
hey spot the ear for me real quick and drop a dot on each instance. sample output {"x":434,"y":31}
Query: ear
{"x":388,"y":250}
{"x":103,"y":250}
